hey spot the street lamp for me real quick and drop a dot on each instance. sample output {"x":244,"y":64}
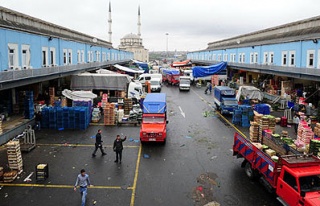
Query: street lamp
{"x":167,"y":34}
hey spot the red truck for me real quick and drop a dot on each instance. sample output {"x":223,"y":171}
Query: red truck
{"x":171,"y":76}
{"x":154,"y":118}
{"x":294,"y":178}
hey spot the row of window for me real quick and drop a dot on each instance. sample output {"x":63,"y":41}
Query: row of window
{"x":288,"y":58}
{"x":48,"y":56}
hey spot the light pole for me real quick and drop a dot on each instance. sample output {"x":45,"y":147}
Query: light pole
{"x":167,"y":34}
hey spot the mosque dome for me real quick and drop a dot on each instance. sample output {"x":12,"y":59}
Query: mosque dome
{"x":131,"y":36}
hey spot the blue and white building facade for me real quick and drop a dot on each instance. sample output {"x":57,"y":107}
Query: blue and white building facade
{"x":30,"y":43}
{"x":291,"y":50}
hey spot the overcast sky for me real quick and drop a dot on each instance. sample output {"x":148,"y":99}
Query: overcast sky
{"x":191,"y":24}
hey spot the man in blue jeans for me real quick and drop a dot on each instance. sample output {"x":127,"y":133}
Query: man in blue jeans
{"x":83,"y":182}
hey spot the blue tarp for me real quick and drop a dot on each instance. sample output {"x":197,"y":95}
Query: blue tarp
{"x":155,"y":103}
{"x":171,"y":71}
{"x":142,"y":65}
{"x":203,"y":71}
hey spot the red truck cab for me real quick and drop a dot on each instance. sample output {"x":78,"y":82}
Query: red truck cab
{"x":299,"y":181}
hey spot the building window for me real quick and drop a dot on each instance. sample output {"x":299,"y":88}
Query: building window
{"x":89,"y":56}
{"x":44,"y":56}
{"x":240,"y":58}
{"x":104,"y":58}
{"x":82,"y":56}
{"x":251,"y":58}
{"x":271,"y":57}
{"x":255,"y":57}
{"x":243,"y":58}
{"x":265,"y":58}
{"x":13,"y":60}
{"x":25,"y":56}
{"x":65,"y":54}
{"x":319,"y":59}
{"x":284,"y":58}
{"x":69,"y":56}
{"x":78,"y":56}
{"x":53,"y":56}
{"x":292,"y":55}
{"x":214,"y":57}
{"x":310,"y":58}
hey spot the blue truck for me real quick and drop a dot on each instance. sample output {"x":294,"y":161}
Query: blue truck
{"x":225,"y":99}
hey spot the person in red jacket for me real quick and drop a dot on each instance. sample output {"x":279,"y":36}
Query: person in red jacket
{"x":118,"y":147}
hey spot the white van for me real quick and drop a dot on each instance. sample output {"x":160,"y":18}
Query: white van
{"x":155,"y":85}
{"x":184,"y":83}
{"x":147,"y":77}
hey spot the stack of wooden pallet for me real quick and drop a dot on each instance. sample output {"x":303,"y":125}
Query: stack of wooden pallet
{"x":10,"y":176}
{"x":14,"y":155}
{"x":127,"y":106}
{"x":1,"y":174}
{"x":263,"y":125}
{"x":52,"y":95}
{"x":254,"y":132}
{"x":272,"y":123}
{"x":257,"y":116}
{"x":109,"y":114}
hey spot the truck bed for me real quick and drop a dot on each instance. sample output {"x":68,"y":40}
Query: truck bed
{"x":258,"y":159}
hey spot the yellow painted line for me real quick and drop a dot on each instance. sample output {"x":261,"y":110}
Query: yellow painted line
{"x":57,"y":186}
{"x":81,"y":145}
{"x":97,"y":124}
{"x":227,"y":121}
{"x":136,"y":174}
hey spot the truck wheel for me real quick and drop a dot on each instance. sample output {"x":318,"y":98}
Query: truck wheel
{"x":249,"y":171}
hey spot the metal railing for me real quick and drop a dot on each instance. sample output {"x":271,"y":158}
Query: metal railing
{"x":14,"y":75}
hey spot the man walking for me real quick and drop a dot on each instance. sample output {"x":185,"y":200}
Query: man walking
{"x":83,"y":182}
{"x":296,"y":121}
{"x":118,"y":147}
{"x":98,"y":144}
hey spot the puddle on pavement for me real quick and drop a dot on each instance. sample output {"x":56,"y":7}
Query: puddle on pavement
{"x":203,"y":193}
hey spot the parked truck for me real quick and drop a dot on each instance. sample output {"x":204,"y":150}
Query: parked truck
{"x":225,"y":99}
{"x":154,"y":118}
{"x":294,"y":178}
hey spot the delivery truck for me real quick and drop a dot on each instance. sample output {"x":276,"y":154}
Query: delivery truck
{"x":225,"y":99}
{"x":294,"y":178}
{"x":154,"y":118}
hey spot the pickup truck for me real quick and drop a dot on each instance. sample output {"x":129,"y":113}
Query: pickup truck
{"x":224,"y":99}
{"x":294,"y":178}
{"x":184,"y":83}
{"x":154,"y":118}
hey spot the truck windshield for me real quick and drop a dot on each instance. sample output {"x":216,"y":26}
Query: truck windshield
{"x":153,"y":119}
{"x":310,"y":183}
{"x":154,"y":82}
{"x":230,"y":102}
{"x":184,"y":81}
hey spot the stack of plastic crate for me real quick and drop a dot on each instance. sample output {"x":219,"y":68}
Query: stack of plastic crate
{"x":262,"y":109}
{"x":77,"y":117}
{"x":83,"y":118}
{"x":66,"y":117}
{"x":45,"y":117}
{"x":71,"y":118}
{"x":28,"y":105}
{"x":236,"y":117}
{"x":245,"y":110}
{"x":59,"y":112}
{"x":52,"y":118}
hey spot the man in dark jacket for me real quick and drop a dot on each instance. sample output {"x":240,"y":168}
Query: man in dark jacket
{"x":118,"y":147}
{"x":98,"y":144}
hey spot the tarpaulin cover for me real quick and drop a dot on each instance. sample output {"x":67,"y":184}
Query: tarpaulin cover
{"x":202,"y":71}
{"x":142,"y":65}
{"x":171,"y":71}
{"x":126,"y":69}
{"x":79,"y":95}
{"x":249,"y":92}
{"x":88,"y":81}
{"x":155,"y":103}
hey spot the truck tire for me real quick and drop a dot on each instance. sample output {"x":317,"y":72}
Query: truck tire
{"x":249,"y":171}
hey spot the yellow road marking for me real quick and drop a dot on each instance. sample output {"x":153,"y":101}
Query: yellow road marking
{"x":136,"y":174}
{"x":227,"y":121}
{"x":59,"y":186}
{"x":81,"y":145}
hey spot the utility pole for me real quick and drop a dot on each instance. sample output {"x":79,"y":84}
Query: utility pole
{"x":167,"y":34}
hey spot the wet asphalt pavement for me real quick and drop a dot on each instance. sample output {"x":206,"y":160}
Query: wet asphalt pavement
{"x":195,"y":166}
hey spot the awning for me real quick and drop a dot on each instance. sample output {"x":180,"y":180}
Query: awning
{"x":79,"y":95}
{"x":126,"y":69}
